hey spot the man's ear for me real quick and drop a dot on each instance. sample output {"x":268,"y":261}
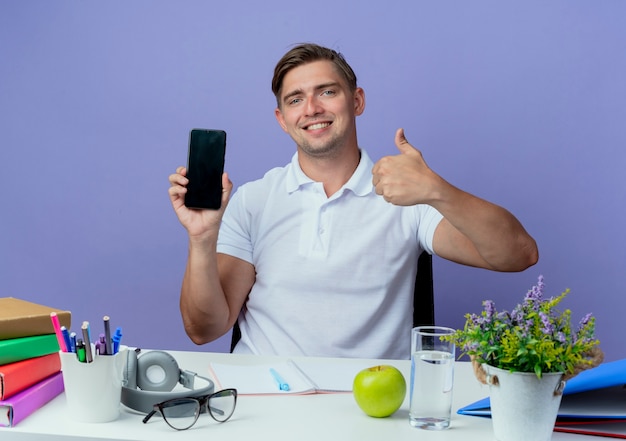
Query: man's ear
{"x":359,"y":101}
{"x":281,"y":120}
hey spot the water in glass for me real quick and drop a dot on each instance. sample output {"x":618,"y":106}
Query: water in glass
{"x":431,"y":389}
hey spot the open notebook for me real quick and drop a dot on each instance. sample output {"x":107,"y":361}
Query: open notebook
{"x":303,"y":377}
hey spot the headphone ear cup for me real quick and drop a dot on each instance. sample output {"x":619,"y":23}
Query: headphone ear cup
{"x":152,"y":361}
{"x":130,"y":370}
{"x":138,"y":370}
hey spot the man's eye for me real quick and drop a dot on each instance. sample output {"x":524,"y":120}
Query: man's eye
{"x":328,"y":92}
{"x":294,"y":101}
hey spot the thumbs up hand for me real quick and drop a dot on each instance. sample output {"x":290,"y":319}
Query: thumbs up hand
{"x":405,"y":179}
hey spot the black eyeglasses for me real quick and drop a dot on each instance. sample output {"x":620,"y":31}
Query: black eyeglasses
{"x":182,"y":413}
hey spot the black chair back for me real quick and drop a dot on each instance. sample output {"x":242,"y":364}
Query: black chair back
{"x":423,"y":293}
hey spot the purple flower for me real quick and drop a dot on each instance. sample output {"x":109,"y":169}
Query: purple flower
{"x":535,"y":294}
{"x":518,"y":316}
{"x":548,"y":327}
{"x":585,"y":320}
{"x":534,"y":328}
{"x":476,"y":320}
{"x":504,"y":317}
{"x":490,"y":308}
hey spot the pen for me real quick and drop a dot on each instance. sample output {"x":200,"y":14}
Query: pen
{"x":107,"y":333}
{"x":117,"y":337}
{"x":100,"y":346}
{"x":57,"y":331}
{"x":282,"y":384}
{"x":72,"y":342}
{"x":88,"y":353}
{"x":66,"y":338}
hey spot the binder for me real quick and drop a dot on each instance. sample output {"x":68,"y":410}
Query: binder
{"x":19,"y":406}
{"x":15,"y":377}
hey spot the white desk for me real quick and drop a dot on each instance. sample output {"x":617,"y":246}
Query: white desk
{"x":317,"y":417}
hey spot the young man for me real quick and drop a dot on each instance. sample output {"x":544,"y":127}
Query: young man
{"x":319,"y":257}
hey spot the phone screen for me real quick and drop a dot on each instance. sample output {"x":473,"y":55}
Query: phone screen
{"x":205,"y":165}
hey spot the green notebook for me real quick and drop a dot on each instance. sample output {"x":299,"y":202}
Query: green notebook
{"x":16,"y":349}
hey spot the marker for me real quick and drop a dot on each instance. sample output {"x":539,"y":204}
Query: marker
{"x":88,"y":353}
{"x":282,"y":384}
{"x":57,"y":330}
{"x":66,"y":338}
{"x":100,"y":346}
{"x":80,"y":350}
{"x":107,"y":333}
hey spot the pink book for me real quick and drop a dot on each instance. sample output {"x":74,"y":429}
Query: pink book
{"x":19,"y":406}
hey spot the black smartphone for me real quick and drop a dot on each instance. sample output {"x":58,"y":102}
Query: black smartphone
{"x":205,"y":166}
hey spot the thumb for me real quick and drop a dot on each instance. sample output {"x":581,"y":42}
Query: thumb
{"x":227,"y":188}
{"x":227,"y":184}
{"x":402,"y":143}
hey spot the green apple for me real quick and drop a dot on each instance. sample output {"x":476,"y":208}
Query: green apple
{"x":379,"y":390}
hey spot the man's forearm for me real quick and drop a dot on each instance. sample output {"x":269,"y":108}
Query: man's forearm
{"x":202,"y":301}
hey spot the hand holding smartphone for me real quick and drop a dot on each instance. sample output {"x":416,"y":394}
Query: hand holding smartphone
{"x":205,"y":166}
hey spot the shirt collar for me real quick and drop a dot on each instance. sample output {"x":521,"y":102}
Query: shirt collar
{"x":360,"y":183}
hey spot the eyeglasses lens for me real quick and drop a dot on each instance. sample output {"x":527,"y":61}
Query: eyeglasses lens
{"x":181,"y":414}
{"x":222,"y":404}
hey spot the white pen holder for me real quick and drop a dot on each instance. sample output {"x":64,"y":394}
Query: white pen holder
{"x":93,"y":390}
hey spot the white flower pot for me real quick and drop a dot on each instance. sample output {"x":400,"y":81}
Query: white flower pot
{"x":523,"y":407}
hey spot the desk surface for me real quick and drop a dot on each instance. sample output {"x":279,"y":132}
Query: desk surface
{"x":259,"y":418}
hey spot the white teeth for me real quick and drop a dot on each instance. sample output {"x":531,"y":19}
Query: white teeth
{"x":318,"y":126}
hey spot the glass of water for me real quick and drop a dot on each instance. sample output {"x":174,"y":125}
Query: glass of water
{"x":432,"y":377}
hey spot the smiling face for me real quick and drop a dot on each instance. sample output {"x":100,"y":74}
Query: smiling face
{"x":318,"y":110}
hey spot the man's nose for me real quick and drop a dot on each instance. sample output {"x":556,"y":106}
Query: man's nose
{"x":313,"y":106}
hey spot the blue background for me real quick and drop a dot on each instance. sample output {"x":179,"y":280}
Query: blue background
{"x":521,"y":103}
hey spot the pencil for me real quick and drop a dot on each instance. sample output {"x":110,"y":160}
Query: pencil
{"x":88,"y":353}
{"x":107,"y":333}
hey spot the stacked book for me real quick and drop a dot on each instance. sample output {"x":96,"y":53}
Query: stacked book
{"x":30,"y":367}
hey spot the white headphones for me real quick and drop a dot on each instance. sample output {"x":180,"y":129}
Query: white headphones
{"x":141,"y":392}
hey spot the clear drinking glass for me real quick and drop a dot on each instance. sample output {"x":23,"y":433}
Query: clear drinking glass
{"x":432,"y":377}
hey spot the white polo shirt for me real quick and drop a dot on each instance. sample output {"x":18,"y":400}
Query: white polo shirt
{"x":334,"y":275}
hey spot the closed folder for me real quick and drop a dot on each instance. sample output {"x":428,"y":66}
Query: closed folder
{"x":607,"y":428}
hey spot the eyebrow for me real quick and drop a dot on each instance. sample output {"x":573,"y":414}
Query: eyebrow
{"x":316,"y":88}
